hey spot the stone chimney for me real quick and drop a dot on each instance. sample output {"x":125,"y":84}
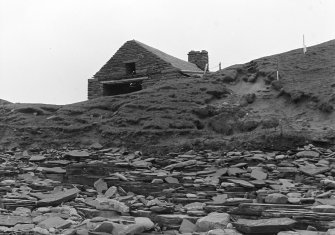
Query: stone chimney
{"x":199,"y":58}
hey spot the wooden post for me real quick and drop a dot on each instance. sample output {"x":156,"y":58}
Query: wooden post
{"x":206,"y":67}
{"x":304,"y":49}
{"x":220,"y":66}
{"x":277,"y":68}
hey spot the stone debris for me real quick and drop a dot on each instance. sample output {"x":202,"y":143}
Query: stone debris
{"x":115,"y":191}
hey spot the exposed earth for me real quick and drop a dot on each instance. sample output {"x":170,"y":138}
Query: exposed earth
{"x":243,"y":106}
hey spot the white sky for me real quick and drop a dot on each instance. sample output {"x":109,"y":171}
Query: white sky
{"x":49,"y":48}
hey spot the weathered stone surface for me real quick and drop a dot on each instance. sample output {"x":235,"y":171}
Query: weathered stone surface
{"x":324,"y":209}
{"x":55,"y":170}
{"x":258,"y":174}
{"x":223,"y":232}
{"x":232,"y":171}
{"x":11,"y":220}
{"x":145,"y":222}
{"x":264,"y":226}
{"x":24,"y":227}
{"x":187,"y":227}
{"x":100,"y":185}
{"x":57,"y":198}
{"x":172,"y":180}
{"x":111,"y":191}
{"x":276,"y":198}
{"x":110,"y":228}
{"x":54,"y":222}
{"x":308,"y":153}
{"x":37,"y":158}
{"x":77,"y":154}
{"x":302,"y":232}
{"x":180,"y":164}
{"x":174,"y":220}
{"x":194,"y":206}
{"x":193,"y":191}
{"x":243,"y":183}
{"x":213,"y":220}
{"x":313,"y":170}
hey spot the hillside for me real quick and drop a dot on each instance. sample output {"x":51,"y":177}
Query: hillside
{"x":240,"y":106}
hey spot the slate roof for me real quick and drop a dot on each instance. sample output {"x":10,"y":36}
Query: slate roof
{"x":175,"y":62}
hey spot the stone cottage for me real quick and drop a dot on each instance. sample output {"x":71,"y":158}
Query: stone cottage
{"x":136,"y":66}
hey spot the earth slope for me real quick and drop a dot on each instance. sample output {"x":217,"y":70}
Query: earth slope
{"x":240,"y":106}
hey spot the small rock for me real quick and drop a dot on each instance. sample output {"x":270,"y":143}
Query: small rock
{"x":37,"y":158}
{"x":276,"y":198}
{"x":54,"y":222}
{"x":187,"y":226}
{"x":100,"y":185}
{"x":308,"y":153}
{"x":223,"y":232}
{"x":145,"y":222}
{"x":77,"y":154}
{"x":111,"y":191}
{"x":213,"y":220}
{"x":258,"y":174}
{"x":260,"y":226}
{"x":172,"y":180}
{"x":242,"y":183}
{"x":157,"y":181}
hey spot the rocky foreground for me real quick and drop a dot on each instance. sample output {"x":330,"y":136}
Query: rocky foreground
{"x":113,"y":191}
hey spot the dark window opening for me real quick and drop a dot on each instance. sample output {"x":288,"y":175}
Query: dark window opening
{"x":122,"y":88}
{"x":130,"y":68}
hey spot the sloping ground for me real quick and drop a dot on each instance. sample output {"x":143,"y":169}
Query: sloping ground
{"x":241,"y":106}
{"x":3,"y":102}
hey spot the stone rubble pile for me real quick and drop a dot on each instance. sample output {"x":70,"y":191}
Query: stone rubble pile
{"x":100,"y":191}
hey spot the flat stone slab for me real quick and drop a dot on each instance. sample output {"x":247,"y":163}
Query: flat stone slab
{"x":264,"y":226}
{"x":77,"y":154}
{"x":242,"y":183}
{"x":308,"y":153}
{"x":258,"y":174}
{"x":55,"y":170}
{"x":181,"y":164}
{"x":12,"y":220}
{"x":57,"y":198}
{"x":313,"y":170}
{"x":54,"y":222}
{"x":37,"y":158}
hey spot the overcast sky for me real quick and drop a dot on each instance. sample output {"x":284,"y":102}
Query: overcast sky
{"x":49,"y":48}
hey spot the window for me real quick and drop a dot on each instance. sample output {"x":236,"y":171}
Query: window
{"x":130,"y":68}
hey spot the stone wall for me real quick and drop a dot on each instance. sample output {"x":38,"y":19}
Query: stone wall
{"x":200,"y":58}
{"x":145,"y":62}
{"x":158,"y":77}
{"x":95,"y":89}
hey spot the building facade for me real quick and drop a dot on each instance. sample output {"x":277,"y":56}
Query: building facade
{"x":136,"y":66}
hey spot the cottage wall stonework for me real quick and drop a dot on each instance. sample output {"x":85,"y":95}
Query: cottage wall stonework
{"x":200,"y":58}
{"x":149,"y":62}
{"x":146,"y":63}
{"x":95,"y":89}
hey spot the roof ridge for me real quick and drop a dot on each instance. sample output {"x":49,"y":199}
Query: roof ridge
{"x":174,"y":61}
